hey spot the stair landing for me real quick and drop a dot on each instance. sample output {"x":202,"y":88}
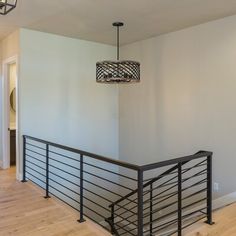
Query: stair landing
{"x":24,"y":212}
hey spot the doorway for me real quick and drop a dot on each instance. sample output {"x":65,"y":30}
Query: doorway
{"x":10,"y":137}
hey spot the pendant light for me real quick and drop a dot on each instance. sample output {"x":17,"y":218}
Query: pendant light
{"x":118,"y":71}
{"x":6,"y":6}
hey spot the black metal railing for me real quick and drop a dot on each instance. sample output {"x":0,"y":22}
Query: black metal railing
{"x":157,"y":199}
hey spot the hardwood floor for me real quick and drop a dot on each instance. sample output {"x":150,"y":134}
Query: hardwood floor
{"x":225,"y":224}
{"x":24,"y":212}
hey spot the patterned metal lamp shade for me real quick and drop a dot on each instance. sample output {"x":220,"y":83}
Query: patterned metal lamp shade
{"x":119,"y":71}
{"x":6,"y":6}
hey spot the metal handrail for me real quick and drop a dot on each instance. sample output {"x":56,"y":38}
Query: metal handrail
{"x":85,"y":153}
{"x":147,"y":167}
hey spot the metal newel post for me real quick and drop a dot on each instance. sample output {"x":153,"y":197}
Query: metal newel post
{"x":81,"y":220}
{"x":209,"y":190}
{"x":151,"y":209}
{"x":140,"y":203}
{"x":47,"y":171}
{"x":24,"y":161}
{"x":180,"y":199}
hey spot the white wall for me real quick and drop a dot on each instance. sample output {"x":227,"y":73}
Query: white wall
{"x":60,"y":100}
{"x":9,"y":47}
{"x":186,"y":100}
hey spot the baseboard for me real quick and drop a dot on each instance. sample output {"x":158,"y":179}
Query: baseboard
{"x":1,"y":164}
{"x":19,"y":177}
{"x":224,"y":201}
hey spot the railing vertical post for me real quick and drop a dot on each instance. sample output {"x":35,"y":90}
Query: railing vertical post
{"x":112,"y":219}
{"x":180,"y":199}
{"x":209,"y":190}
{"x":24,"y":161}
{"x":81,"y":220}
{"x":151,"y":210}
{"x":47,"y":172}
{"x":140,"y":202}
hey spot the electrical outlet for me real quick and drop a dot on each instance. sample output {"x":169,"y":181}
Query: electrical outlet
{"x":216,"y":187}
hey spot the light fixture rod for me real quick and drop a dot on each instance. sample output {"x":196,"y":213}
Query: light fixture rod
{"x":118,"y":43}
{"x":118,"y":25}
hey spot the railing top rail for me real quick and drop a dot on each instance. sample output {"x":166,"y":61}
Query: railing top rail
{"x":147,"y":167}
{"x":198,"y":155}
{"x":91,"y":155}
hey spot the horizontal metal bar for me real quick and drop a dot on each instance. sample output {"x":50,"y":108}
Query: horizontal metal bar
{"x":35,"y":159}
{"x":62,"y":155}
{"x":195,"y":166}
{"x":194,"y":203}
{"x":64,"y":200}
{"x":62,"y":185}
{"x":196,"y":175}
{"x":88,"y":154}
{"x":176,"y":172}
{"x":164,"y":225}
{"x":35,"y":171}
{"x":126,"y":231}
{"x":100,"y":196}
{"x":35,"y":165}
{"x":64,"y":163}
{"x":64,"y":171}
{"x":175,"y":211}
{"x":103,"y":217}
{"x":186,"y":226}
{"x":62,"y":194}
{"x":171,"y":204}
{"x":102,"y":188}
{"x":64,"y":179}
{"x":107,"y":180}
{"x":194,"y":212}
{"x":166,"y":197}
{"x":44,"y":149}
{"x":125,"y":225}
{"x":35,"y":183}
{"x":125,"y":218}
{"x":195,"y":193}
{"x":97,"y":204}
{"x":100,"y":168}
{"x":154,"y":180}
{"x":155,"y":198}
{"x":34,"y":176}
{"x":144,"y":186}
{"x":36,"y":152}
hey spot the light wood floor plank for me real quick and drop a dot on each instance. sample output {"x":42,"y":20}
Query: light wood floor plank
{"x":24,"y":212}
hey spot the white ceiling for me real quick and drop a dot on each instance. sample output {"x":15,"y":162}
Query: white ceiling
{"x":92,"y":19}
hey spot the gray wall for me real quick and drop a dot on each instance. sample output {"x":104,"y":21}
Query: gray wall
{"x":59,"y":98}
{"x":186,"y":99}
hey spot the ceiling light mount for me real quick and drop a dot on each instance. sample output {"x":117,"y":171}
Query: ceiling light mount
{"x":6,"y":6}
{"x":119,"y":71}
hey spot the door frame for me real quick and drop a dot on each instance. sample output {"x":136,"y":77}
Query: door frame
{"x":6,"y":115}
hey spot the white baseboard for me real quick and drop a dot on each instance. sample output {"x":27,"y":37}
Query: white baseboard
{"x":19,"y":176}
